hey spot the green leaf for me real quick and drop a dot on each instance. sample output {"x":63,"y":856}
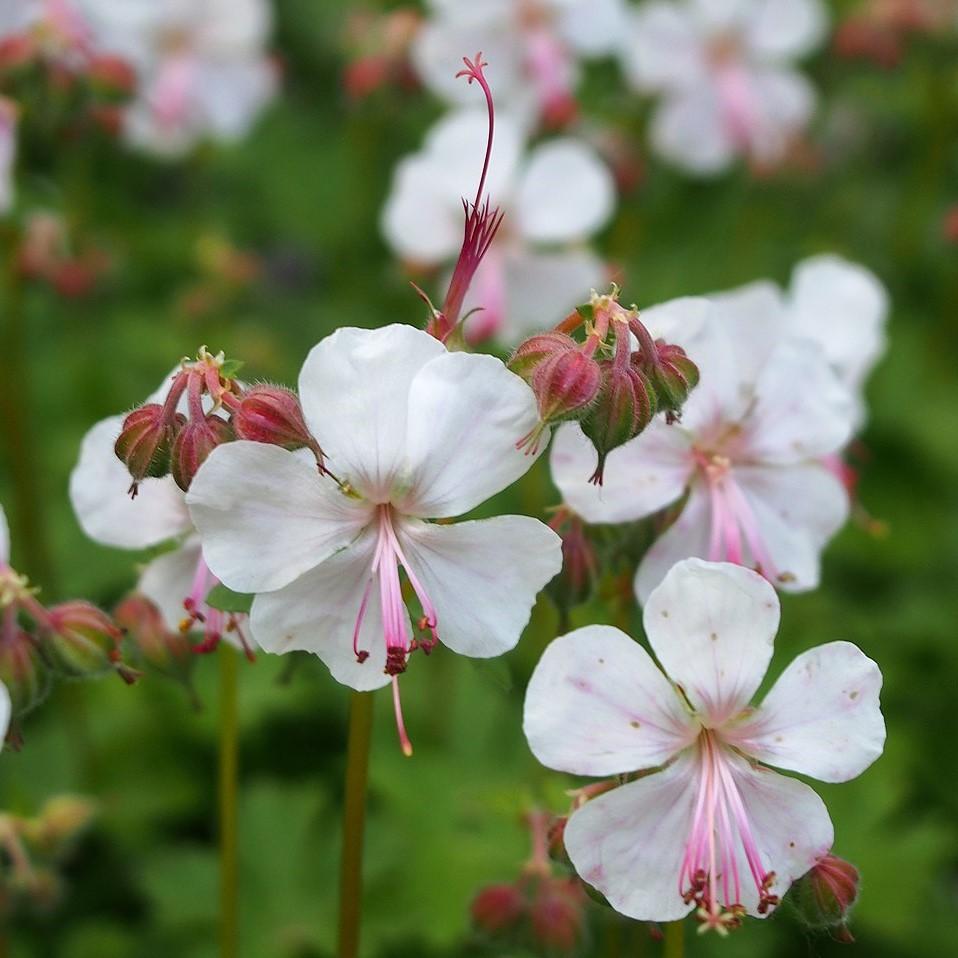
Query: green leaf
{"x":226,"y":600}
{"x":231,"y":367}
{"x":586,"y":312}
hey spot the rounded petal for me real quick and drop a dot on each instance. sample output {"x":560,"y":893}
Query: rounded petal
{"x":783,"y":101}
{"x":318,"y":612}
{"x":822,"y":717}
{"x":688,"y":130}
{"x":629,"y":843}
{"x":786,"y":29}
{"x":593,"y":28}
{"x":789,"y":822}
{"x":663,"y":48}
{"x":482,"y":576}
{"x":354,"y":388}
{"x":566,"y":193}
{"x":598,"y":705}
{"x":712,"y":627}
{"x":168,"y":580}
{"x":5,"y":710}
{"x":687,"y":536}
{"x":466,"y":413}
{"x":266,"y":516}
{"x":105,"y":511}
{"x":641,"y":477}
{"x":797,"y":510}
{"x":4,"y":538}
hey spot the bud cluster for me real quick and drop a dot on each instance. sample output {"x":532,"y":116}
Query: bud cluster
{"x":613,"y":382}
{"x":48,"y":255}
{"x":206,"y":406}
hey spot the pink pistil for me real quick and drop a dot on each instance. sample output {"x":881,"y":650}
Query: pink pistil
{"x":215,"y":622}
{"x":709,"y":874}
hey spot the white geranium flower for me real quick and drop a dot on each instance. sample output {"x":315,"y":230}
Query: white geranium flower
{"x":722,"y":70}
{"x":533,"y":47}
{"x":202,"y":67}
{"x":412,"y":432}
{"x":554,"y":198}
{"x":707,"y":824}
{"x":745,"y":461}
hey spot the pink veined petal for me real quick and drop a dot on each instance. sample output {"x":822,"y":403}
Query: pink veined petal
{"x":641,"y":477}
{"x":465,"y":414}
{"x":629,"y":843}
{"x":167,"y":580}
{"x":103,"y":507}
{"x":598,"y":705}
{"x":354,"y":388}
{"x":318,"y":613}
{"x":822,"y":717}
{"x":482,"y":577}
{"x":712,"y":627}
{"x":266,"y":516}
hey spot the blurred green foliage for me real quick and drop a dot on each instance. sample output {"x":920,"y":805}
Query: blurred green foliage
{"x":303,"y":194}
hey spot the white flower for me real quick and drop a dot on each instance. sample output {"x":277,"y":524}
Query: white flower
{"x":5,"y":703}
{"x":708,"y":824}
{"x":554,"y":198}
{"x":722,"y":70}
{"x":412,"y":432}
{"x":57,"y":26}
{"x":532,"y":46}
{"x":8,"y":152}
{"x":747,"y":453}
{"x":201,"y":64}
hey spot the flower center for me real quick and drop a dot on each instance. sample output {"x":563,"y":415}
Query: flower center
{"x":214,"y":622}
{"x":721,"y":833}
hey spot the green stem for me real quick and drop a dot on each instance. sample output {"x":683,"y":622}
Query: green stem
{"x":228,"y":788}
{"x":354,"y":820}
{"x":674,"y":939}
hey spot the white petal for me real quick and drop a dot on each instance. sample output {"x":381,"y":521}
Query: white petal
{"x":641,"y":477}
{"x":783,"y":102}
{"x":566,"y":193}
{"x":801,"y":410}
{"x":687,"y":536}
{"x":593,"y":28}
{"x":354,"y":387}
{"x":629,"y":843}
{"x":663,"y":48}
{"x":482,"y":576}
{"x":712,"y":626}
{"x":843,"y":307}
{"x":598,"y":705}
{"x":4,"y":538}
{"x":106,"y":513}
{"x":688,"y":129}
{"x":265,"y":515}
{"x":231,"y":95}
{"x":786,"y":29}
{"x":790,"y":824}
{"x":822,"y":717}
{"x":466,"y":413}
{"x":5,"y":709}
{"x":798,"y":508}
{"x":168,"y":580}
{"x":317,"y":613}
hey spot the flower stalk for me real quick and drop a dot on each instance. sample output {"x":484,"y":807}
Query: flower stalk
{"x":228,"y":793}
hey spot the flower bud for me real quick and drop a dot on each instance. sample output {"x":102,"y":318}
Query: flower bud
{"x":81,"y":641}
{"x":497,"y":908}
{"x":17,"y":51}
{"x":580,"y":564}
{"x":143,"y":445}
{"x":23,"y":671}
{"x":154,"y":645}
{"x":535,"y":350}
{"x":193,"y":443}
{"x":565,"y":383}
{"x":673,"y":375}
{"x":273,"y":415}
{"x":111,"y":76}
{"x":824,"y":896}
{"x":557,"y":849}
{"x":558,"y":914}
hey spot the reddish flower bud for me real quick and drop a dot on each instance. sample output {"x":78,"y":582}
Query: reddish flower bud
{"x":558,"y":914}
{"x":950,"y":225}
{"x":535,"y":350}
{"x":673,"y":375}
{"x":23,"y":671}
{"x":111,"y":76}
{"x":143,"y":445}
{"x":16,"y":52}
{"x":82,"y":641}
{"x":824,"y":896}
{"x":565,"y":384}
{"x":193,"y":443}
{"x":579,"y":562}
{"x":154,"y":645}
{"x":273,"y":415}
{"x":497,"y":908}
{"x":557,"y":850}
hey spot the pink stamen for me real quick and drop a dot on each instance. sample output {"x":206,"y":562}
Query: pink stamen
{"x":171,"y":91}
{"x":404,"y":743}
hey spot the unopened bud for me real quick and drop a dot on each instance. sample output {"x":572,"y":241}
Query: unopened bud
{"x":82,"y":641}
{"x":23,"y":671}
{"x":824,"y":896}
{"x":557,"y":849}
{"x":273,"y":415}
{"x":143,"y":445}
{"x":193,"y":443}
{"x":673,"y":375}
{"x":154,"y":645}
{"x":558,"y":914}
{"x":535,"y":350}
{"x":565,"y":384}
{"x":497,"y":908}
{"x":111,"y":76}
{"x":16,"y":52}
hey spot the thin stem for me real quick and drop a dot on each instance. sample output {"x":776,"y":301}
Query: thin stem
{"x":228,"y":788}
{"x":354,"y":820}
{"x":674,"y":940}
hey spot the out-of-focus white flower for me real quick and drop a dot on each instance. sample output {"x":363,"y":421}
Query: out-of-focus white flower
{"x":202,"y":67}
{"x":8,"y":152}
{"x":706,"y":825}
{"x":533,"y":48}
{"x":554,"y":198}
{"x":58,"y":28}
{"x":722,"y":70}
{"x":746,"y":460}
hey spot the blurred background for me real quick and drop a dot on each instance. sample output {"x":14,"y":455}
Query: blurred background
{"x":262,"y":246}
